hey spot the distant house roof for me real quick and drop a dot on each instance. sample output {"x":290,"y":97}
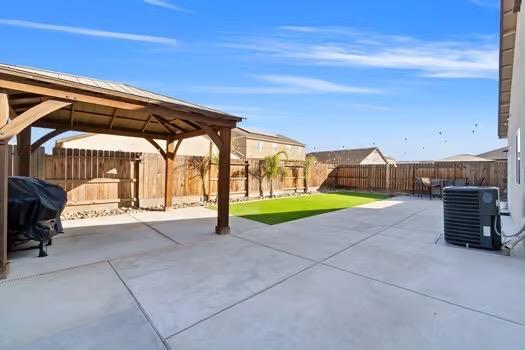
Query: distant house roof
{"x":346,"y":156}
{"x":497,"y":154}
{"x":464,"y":158}
{"x":266,"y":136}
{"x":390,"y":160}
{"x":60,"y":142}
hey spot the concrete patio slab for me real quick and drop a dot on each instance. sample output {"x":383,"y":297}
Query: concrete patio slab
{"x":325,"y":308}
{"x":175,"y":214}
{"x":89,"y":241}
{"x":180,"y":287}
{"x":344,"y":219}
{"x":315,"y":241}
{"x":411,"y":235}
{"x":401,"y":291}
{"x":193,"y":230}
{"x":80,"y":308}
{"x":193,"y":226}
{"x":423,"y":222}
{"x":472,"y":278}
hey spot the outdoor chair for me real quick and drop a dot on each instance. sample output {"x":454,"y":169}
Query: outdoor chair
{"x":461,"y":182}
{"x":429,"y":187}
{"x":480,"y":182}
{"x":419,"y":186}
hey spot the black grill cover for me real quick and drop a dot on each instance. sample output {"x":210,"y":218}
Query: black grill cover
{"x":34,"y":208}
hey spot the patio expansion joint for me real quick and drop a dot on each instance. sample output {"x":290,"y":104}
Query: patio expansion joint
{"x":154,"y":229}
{"x":242,"y":300}
{"x":273,"y":248}
{"x":36,"y":275}
{"x":424,"y":294}
{"x":372,"y":235}
{"x":140,"y":307}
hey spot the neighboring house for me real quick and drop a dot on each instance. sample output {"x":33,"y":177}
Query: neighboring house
{"x":511,"y":111}
{"x":195,"y":146}
{"x":464,"y":158}
{"x":250,"y":143}
{"x":357,"y":156}
{"x":497,"y":154}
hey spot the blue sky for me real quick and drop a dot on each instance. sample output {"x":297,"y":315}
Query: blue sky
{"x":416,"y":78}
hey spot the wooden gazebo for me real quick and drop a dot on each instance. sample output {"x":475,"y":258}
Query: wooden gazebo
{"x":62,"y":102}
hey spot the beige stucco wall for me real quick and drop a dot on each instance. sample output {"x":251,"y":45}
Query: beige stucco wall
{"x":195,"y":146}
{"x":374,"y":158}
{"x":253,"y":149}
{"x":516,"y":193}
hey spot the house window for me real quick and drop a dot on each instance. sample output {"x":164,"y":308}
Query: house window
{"x":260,"y":145}
{"x":517,"y":153}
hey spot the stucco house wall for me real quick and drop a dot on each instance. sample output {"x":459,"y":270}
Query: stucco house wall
{"x":516,"y":193}
{"x":260,"y":149}
{"x":195,"y":146}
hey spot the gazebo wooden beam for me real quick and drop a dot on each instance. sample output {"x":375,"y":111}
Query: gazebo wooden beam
{"x":189,"y":134}
{"x":30,"y":116}
{"x":223,"y":196}
{"x":192,"y":117}
{"x":212,"y":134}
{"x":4,"y":117}
{"x":38,"y":143}
{"x":97,"y":130}
{"x":42,"y":89}
{"x":157,"y":146}
{"x":166,"y":124}
{"x":171,"y":152}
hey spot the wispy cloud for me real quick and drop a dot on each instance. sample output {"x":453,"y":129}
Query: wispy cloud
{"x":315,"y":85}
{"x":166,"y":5}
{"x":494,"y":4}
{"x":339,"y":46}
{"x":89,"y":32}
{"x":286,"y":84}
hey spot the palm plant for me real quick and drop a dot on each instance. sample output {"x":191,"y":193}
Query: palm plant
{"x":309,"y":162}
{"x":273,"y":167}
{"x":202,"y":165}
{"x":258,"y":173}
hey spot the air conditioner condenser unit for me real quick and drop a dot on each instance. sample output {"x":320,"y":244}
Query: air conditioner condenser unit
{"x":472,"y":216}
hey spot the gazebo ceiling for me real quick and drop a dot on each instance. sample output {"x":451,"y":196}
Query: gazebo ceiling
{"x":106,"y":107}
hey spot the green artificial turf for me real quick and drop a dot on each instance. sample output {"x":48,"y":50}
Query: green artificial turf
{"x":276,"y":211}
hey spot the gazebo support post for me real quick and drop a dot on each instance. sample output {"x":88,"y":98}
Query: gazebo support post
{"x":24,"y":152}
{"x":4,"y":116}
{"x":168,"y":181}
{"x":223,"y":196}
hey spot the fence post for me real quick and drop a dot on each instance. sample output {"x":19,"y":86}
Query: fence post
{"x":387,"y":177}
{"x":336,"y":183}
{"x":247,"y":178}
{"x":413,"y":179}
{"x":139,"y":185}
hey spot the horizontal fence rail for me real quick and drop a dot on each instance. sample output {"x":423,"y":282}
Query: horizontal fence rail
{"x":108,"y":179}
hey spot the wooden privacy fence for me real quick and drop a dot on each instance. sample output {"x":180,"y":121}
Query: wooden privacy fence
{"x":402,"y":178}
{"x":107,"y":179}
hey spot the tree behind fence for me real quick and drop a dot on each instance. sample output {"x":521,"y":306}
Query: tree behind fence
{"x":111,"y":179}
